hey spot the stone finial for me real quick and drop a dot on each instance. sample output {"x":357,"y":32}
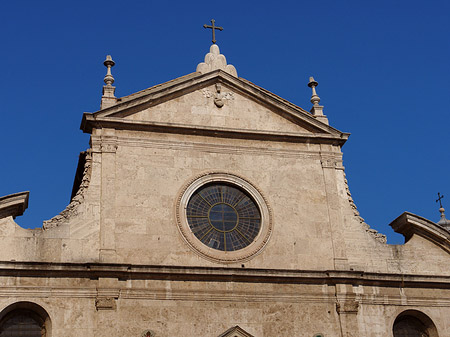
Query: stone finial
{"x":316,"y":110}
{"x":109,"y":63}
{"x":313,"y":84}
{"x":443,"y":221}
{"x":215,"y":60}
{"x":108,"y":98}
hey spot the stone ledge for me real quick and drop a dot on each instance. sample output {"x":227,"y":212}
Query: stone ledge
{"x":223,"y":132}
{"x":177,"y":273}
{"x":14,"y":204}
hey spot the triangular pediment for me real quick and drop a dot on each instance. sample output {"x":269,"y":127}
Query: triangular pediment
{"x":235,"y":331}
{"x":197,"y":108}
{"x":215,"y":102}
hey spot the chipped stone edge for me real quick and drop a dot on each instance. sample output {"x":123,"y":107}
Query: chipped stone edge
{"x":71,"y":209}
{"x":374,"y":233}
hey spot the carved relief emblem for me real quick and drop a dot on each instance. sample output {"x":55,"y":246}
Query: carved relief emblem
{"x":148,"y":333}
{"x":219,"y":97}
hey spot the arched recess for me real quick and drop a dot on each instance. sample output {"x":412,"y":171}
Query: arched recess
{"x":413,"y":323}
{"x":25,"y":318}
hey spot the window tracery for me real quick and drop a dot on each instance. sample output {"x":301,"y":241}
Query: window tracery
{"x":223,"y":217}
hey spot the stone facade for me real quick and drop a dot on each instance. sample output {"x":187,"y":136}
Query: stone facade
{"x":118,"y":261}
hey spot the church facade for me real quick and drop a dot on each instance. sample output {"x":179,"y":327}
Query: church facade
{"x":209,"y":206}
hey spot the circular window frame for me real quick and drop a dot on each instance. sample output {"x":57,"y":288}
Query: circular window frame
{"x":212,"y":254}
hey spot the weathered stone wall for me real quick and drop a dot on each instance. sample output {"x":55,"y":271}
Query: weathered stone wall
{"x":112,"y":307}
{"x":323,"y":269}
{"x":124,"y":211}
{"x":154,"y":168}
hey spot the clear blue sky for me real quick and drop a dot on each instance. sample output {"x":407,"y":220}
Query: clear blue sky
{"x":383,"y":70}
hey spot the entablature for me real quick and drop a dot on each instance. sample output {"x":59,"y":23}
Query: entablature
{"x":220,"y":274}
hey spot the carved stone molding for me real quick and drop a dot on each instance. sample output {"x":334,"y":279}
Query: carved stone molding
{"x":334,"y":163}
{"x":105,"y":303}
{"x":108,"y":147}
{"x":347,"y":307}
{"x":196,"y":245}
{"x":328,"y":163}
{"x":104,"y":143}
{"x":235,"y":331}
{"x":13,"y":204}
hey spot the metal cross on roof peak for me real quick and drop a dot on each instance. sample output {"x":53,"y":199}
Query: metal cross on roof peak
{"x":213,"y":27}
{"x":439,"y":199}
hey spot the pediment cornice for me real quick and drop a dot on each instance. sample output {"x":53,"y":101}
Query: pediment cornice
{"x":13,"y":204}
{"x":114,"y":116}
{"x":235,"y":331}
{"x":409,"y":224}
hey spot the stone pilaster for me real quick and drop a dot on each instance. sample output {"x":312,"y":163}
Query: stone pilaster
{"x":330,"y":165}
{"x":347,"y":307}
{"x":108,"y":98}
{"x":317,"y":111}
{"x":106,"y":146}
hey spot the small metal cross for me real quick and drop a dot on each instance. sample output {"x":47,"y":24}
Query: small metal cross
{"x":439,"y":199}
{"x":213,"y":27}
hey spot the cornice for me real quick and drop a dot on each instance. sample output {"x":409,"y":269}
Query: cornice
{"x":219,"y":274}
{"x":409,"y":224}
{"x":235,"y":331}
{"x":14,"y":204}
{"x":174,"y":128}
{"x":169,"y":90}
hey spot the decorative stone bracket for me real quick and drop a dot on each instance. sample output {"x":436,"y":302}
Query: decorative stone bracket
{"x":332,"y":163}
{"x":347,"y":306}
{"x":104,"y":144}
{"x":105,"y":303}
